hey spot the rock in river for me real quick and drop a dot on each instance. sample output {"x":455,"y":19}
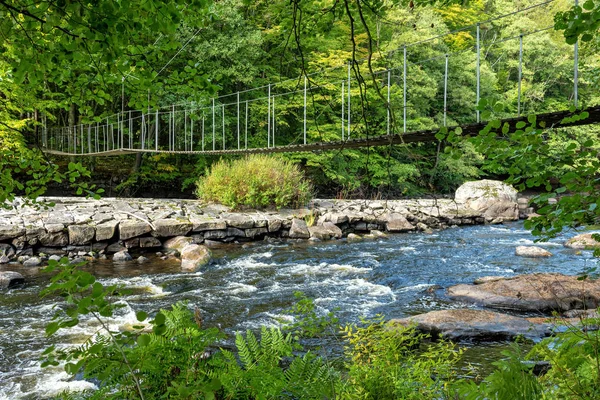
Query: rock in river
{"x":535,"y":292}
{"x":460,"y":324}
{"x":194,"y":256}
{"x":9,"y":279}
{"x":532,"y":251}
{"x":495,"y":199}
{"x":585,"y":241}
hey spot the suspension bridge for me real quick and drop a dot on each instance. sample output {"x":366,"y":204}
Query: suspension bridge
{"x":340,"y":107}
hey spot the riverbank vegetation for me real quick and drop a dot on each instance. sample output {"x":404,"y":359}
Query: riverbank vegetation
{"x":255,"y":181}
{"x":173,"y":355}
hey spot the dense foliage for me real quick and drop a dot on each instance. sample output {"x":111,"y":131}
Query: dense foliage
{"x":255,"y":181}
{"x":64,"y":63}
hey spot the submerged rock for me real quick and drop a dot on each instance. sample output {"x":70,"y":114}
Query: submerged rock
{"x":532,"y":251}
{"x":32,"y":262}
{"x":536,"y":292}
{"x":471,"y":324}
{"x":9,"y":279}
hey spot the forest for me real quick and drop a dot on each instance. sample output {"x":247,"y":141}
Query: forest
{"x":68,"y":63}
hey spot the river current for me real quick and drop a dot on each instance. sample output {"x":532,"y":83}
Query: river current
{"x":246,"y":287}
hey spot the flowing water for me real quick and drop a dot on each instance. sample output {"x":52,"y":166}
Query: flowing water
{"x":247,"y":287}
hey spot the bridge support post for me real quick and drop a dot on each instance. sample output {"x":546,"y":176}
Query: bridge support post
{"x":404,"y":88}
{"x":213,"y":122}
{"x":273,"y":138}
{"x":520,"y":75}
{"x":343,"y":106}
{"x":445,"y":89}
{"x":305,"y":83}
{"x":269,"y":117}
{"x":576,"y":68}
{"x":389,"y":76}
{"x":349,"y":98}
{"x":477,"y":66}
{"x":238,"y":119}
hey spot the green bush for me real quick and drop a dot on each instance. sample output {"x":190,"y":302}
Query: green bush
{"x":255,"y":181}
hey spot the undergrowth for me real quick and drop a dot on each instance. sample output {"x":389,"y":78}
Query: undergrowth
{"x":255,"y":181}
{"x":173,"y":356}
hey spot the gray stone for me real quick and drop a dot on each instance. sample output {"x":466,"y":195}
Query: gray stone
{"x":212,"y":243}
{"x":494,"y":199}
{"x":149,"y":242}
{"x":4,"y":260}
{"x":131,"y":243}
{"x":194,"y":256}
{"x":299,"y":230}
{"x":106,"y":231}
{"x":130,"y":229}
{"x":100,"y":218}
{"x":274,"y":224}
{"x":115,"y":248}
{"x":254,"y":232}
{"x":141,"y":259}
{"x":54,"y":239}
{"x":398,"y":223}
{"x":235,"y":232}
{"x":81,"y":234}
{"x":536,"y":292}
{"x":177,"y":243}
{"x":240,"y":221}
{"x":6,"y":250}
{"x":54,"y":257}
{"x":333,"y":229}
{"x":99,"y":246}
{"x":32,"y":262}
{"x":584,"y":241}
{"x":122,"y":256}
{"x":172,"y":227}
{"x":53,"y":228}
{"x":471,"y":324}
{"x":532,"y":251}
{"x":11,"y":231}
{"x":215,"y":234}
{"x":197,"y":239}
{"x":200,"y":224}
{"x":10,"y":279}
{"x":353,"y":237}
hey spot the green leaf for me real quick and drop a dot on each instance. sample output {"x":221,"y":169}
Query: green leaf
{"x":588,"y":5}
{"x":141,"y":315}
{"x":51,"y":328}
{"x":143,"y":340}
{"x":159,"y":319}
{"x":521,"y":124}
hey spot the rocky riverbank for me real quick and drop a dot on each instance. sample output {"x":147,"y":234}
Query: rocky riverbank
{"x":114,"y":228}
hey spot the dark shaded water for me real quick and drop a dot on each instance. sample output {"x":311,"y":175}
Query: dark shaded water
{"x":247,"y":287}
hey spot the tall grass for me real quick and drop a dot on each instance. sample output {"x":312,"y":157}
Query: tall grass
{"x":256,"y":181}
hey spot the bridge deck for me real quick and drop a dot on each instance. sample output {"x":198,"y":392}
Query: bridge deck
{"x":547,"y":120}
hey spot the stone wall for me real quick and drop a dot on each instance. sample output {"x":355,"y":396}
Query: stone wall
{"x":86,"y":227}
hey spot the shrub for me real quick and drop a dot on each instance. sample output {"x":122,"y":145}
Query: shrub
{"x":255,"y":181}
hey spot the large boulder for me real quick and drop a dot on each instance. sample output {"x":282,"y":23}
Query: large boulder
{"x":461,"y":324}
{"x":7,"y":250}
{"x":536,"y":292}
{"x":585,"y":241}
{"x":11,"y":231}
{"x":493,"y":199}
{"x":194,"y":256}
{"x":9,"y":279}
{"x":398,"y":223}
{"x":178,"y":243}
{"x":326,"y":231}
{"x":299,"y":229}
{"x":532,"y":251}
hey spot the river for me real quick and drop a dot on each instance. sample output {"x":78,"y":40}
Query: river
{"x":246,"y":287}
